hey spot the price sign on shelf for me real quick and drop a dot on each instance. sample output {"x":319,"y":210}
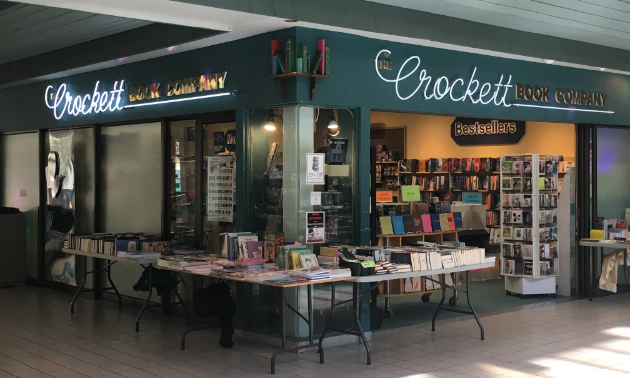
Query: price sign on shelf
{"x":410,"y":193}
{"x":384,"y":196}
{"x":471,"y":198}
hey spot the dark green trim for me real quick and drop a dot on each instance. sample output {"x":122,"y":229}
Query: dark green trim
{"x":362,"y":181}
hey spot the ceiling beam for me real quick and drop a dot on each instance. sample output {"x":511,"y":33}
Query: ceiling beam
{"x":373,"y":17}
{"x":162,"y":11}
{"x":136,"y":41}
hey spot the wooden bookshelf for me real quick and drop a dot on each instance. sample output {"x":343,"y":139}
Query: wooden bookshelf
{"x":408,"y":239}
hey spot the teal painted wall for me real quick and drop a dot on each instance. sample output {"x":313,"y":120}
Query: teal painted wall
{"x":355,"y":83}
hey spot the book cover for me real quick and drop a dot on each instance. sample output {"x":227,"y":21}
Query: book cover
{"x":427,"y":225}
{"x":280,"y":60}
{"x":304,"y":56}
{"x":327,"y":60}
{"x":457,"y":219}
{"x":506,"y":166}
{"x":517,"y":183}
{"x":516,"y":248}
{"x":398,"y":225}
{"x":321,"y":49}
{"x":275,"y":49}
{"x":290,"y":53}
{"x":316,"y":62}
{"x":255,"y":249}
{"x":528,"y":251}
{"x":408,"y":222}
{"x":417,"y":224}
{"x":444,"y":222}
{"x":598,"y":234}
{"x":386,"y":225}
{"x":271,"y":159}
{"x":242,"y":240}
{"x":451,"y":221}
{"x":509,"y":266}
{"x":528,"y":268}
{"x":517,"y":167}
{"x":435,"y":222}
{"x":506,"y":183}
{"x":541,"y":183}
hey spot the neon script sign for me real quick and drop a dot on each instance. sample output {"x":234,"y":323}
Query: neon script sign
{"x":62,"y":101}
{"x":457,"y":90}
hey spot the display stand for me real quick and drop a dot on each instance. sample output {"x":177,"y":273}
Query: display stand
{"x":529,"y":200}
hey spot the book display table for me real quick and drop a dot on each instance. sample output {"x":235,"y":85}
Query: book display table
{"x":394,"y":288}
{"x":376,"y":280}
{"x":111,"y":260}
{"x":601,"y":245}
{"x":284,"y":304}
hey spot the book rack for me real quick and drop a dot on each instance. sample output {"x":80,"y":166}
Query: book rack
{"x":396,"y":287}
{"x":529,"y":224}
{"x":281,"y":81}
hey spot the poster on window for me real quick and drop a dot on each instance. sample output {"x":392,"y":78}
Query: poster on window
{"x":315,"y":227}
{"x":315,"y":166}
{"x":60,"y":219}
{"x":220,"y":201}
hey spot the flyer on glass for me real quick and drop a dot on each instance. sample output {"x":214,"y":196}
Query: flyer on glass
{"x":315,"y":167}
{"x":315,"y":223}
{"x":220,"y":201}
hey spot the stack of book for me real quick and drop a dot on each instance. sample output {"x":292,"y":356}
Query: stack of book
{"x":384,"y":267}
{"x":310,"y":274}
{"x":402,"y":268}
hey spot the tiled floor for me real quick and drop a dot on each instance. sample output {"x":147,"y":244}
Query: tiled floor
{"x":40,"y":338}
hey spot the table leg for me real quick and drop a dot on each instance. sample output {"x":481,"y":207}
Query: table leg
{"x":591,"y":279}
{"x":439,"y":307}
{"x":625,"y":259}
{"x":471,"y":306}
{"x":357,"y":319}
{"x":80,"y":287}
{"x":283,"y":303}
{"x":179,"y":297}
{"x":109,"y":278}
{"x":146,"y":302}
{"x":388,"y":308}
{"x":191,"y":315}
{"x":320,"y":348}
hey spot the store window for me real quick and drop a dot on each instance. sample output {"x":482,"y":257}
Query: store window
{"x":281,"y":144}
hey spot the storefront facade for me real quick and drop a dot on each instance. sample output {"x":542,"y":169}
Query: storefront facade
{"x":228,"y":83}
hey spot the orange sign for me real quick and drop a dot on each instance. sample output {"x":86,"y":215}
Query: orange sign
{"x":382,"y":196}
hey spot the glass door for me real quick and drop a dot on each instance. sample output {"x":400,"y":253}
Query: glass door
{"x":219,"y":183}
{"x":182,"y":181}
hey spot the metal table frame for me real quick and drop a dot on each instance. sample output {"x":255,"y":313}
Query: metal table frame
{"x":377,"y":280}
{"x":594,"y":284}
{"x":111,"y":260}
{"x":283,"y":303}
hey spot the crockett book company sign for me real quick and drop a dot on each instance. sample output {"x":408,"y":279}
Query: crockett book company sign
{"x":62,"y":101}
{"x":414,"y":81}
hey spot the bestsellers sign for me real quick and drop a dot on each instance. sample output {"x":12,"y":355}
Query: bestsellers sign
{"x":477,"y":131}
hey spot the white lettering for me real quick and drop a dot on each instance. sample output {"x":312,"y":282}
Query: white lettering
{"x":65,"y":102}
{"x":439,"y":92}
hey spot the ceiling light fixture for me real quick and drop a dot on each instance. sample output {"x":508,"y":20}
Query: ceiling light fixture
{"x":270,"y":126}
{"x":291,"y":20}
{"x":600,"y":69}
{"x":548,"y":61}
{"x":172,"y":48}
{"x":332,"y":124}
{"x":122,"y":60}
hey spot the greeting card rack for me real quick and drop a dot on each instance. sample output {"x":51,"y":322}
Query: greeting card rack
{"x":529,"y":223}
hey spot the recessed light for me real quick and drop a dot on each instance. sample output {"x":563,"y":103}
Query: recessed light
{"x":290,"y":20}
{"x":122,"y":60}
{"x":172,"y":48}
{"x":600,"y":69}
{"x":548,"y":61}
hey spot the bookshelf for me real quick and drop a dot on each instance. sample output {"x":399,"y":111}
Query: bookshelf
{"x":529,"y":223}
